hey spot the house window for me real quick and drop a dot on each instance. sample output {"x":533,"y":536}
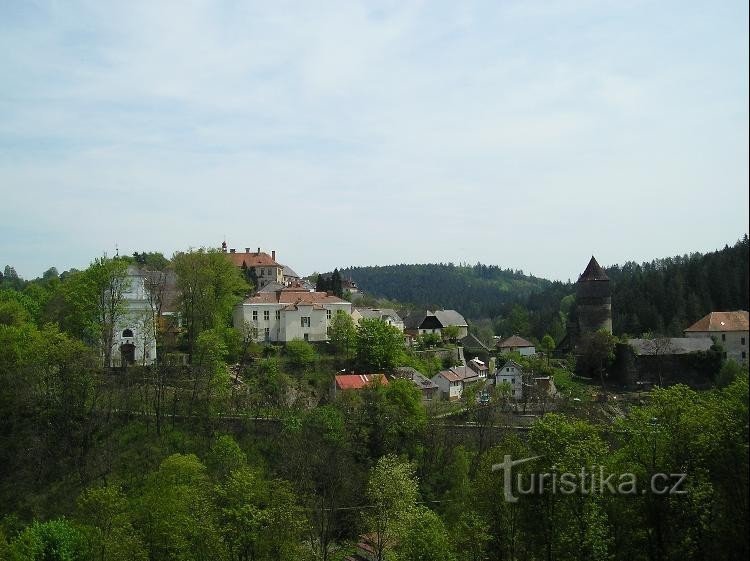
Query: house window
{"x":744,"y":355}
{"x":278,"y":314}
{"x":266,"y":315}
{"x":723,"y":336}
{"x":267,"y":333}
{"x":304,"y":321}
{"x":255,"y":315}
{"x":127,"y":333}
{"x":307,"y":336}
{"x":328,"y":317}
{"x":255,"y":332}
{"x":742,"y":341}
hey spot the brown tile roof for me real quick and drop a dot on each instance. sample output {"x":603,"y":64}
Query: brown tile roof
{"x":252,"y":259}
{"x":593,"y":272}
{"x":722,"y":321}
{"x":514,"y":341}
{"x":293,"y":296}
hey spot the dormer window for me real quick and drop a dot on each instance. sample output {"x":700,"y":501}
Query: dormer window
{"x":127,"y":333}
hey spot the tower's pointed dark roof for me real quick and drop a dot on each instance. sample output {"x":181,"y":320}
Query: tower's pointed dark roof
{"x":593,"y":272}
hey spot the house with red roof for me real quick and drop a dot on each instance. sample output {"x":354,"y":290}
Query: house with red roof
{"x":344,"y":382}
{"x":517,"y":344}
{"x":729,"y":329}
{"x":289,"y":313}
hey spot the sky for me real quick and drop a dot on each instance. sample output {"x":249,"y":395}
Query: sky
{"x":525,"y":134}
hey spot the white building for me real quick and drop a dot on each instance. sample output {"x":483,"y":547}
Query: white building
{"x":511,"y":373}
{"x":288,"y":314}
{"x":134,"y":337}
{"x":516,"y":344}
{"x":729,"y":329}
{"x":387,"y":315}
{"x":450,"y":383}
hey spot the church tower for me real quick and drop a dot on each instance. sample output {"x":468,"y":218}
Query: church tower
{"x":593,"y":300}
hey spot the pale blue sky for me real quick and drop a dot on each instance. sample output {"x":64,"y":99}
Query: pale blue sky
{"x":524,"y":134}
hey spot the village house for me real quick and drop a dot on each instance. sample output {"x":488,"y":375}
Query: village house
{"x":265,"y":266}
{"x":516,"y":344}
{"x":479,"y":366}
{"x":344,"y":382}
{"x":427,"y":322}
{"x":511,"y":373}
{"x":453,"y":381}
{"x":289,"y":313}
{"x":426,"y":387}
{"x":729,"y":329}
{"x":387,"y":315}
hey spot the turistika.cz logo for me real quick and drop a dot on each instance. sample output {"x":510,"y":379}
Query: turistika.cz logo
{"x":588,"y":481}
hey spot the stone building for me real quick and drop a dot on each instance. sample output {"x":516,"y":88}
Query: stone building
{"x":593,"y":300}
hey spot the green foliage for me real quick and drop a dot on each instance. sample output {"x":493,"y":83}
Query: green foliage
{"x":477,"y":291}
{"x":301,"y":354}
{"x":392,"y":493}
{"x":209,"y":285}
{"x":56,"y":540}
{"x":108,"y":525}
{"x":424,"y":538}
{"x":260,"y":519}
{"x":343,"y":334}
{"x":176,"y":514}
{"x":379,"y":345}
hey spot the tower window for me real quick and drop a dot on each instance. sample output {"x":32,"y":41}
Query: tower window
{"x":127,"y":333}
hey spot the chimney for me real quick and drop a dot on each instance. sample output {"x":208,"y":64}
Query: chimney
{"x":231,"y":250}
{"x":247,"y":250}
{"x":273,"y":255}
{"x":224,"y":246}
{"x":258,"y":251}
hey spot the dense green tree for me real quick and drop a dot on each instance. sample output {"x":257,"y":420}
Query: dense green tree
{"x":301,"y":354}
{"x":108,"y":525}
{"x":392,"y":493}
{"x":424,"y":538}
{"x":343,"y":334}
{"x":379,"y":345}
{"x":209,"y":286}
{"x":176,"y":513}
{"x":55,"y":540}
{"x":260,"y":519}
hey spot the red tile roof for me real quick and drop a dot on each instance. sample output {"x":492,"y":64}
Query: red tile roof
{"x":293,"y":296}
{"x":252,"y":259}
{"x":359,"y":381}
{"x":722,"y":321}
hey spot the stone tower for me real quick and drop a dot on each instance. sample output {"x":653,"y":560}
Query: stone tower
{"x":593,"y":300}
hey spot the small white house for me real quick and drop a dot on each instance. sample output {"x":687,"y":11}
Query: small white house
{"x":516,"y":344}
{"x":511,"y":373}
{"x":451,"y":384}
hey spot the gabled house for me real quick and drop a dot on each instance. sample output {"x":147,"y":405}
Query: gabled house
{"x":730,"y":329}
{"x":288,"y":314}
{"x":511,"y":373}
{"x":426,"y":387}
{"x":387,"y":315}
{"x":516,"y":344}
{"x":479,"y":366}
{"x":265,"y":266}
{"x":344,"y":382}
{"x":453,"y":381}
{"x":428,"y":322}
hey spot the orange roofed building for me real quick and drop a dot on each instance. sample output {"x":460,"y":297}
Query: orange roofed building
{"x":729,"y":329}
{"x":265,"y":266}
{"x":289,"y":313}
{"x":358,"y":381}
